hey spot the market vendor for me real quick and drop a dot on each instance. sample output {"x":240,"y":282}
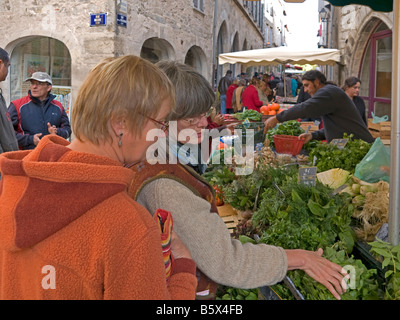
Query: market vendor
{"x":332,"y":104}
{"x":181,"y":190}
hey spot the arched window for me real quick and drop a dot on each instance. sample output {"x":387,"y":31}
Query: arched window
{"x":196,"y":58}
{"x":41,"y":54}
{"x":156,"y":49}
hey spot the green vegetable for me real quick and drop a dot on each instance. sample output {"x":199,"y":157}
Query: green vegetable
{"x":250,"y":114}
{"x":329,"y":156}
{"x":390,"y":257}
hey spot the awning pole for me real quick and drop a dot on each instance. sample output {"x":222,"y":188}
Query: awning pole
{"x":394,"y":205}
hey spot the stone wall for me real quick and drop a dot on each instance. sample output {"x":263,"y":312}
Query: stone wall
{"x":354,"y":27}
{"x":175,"y":21}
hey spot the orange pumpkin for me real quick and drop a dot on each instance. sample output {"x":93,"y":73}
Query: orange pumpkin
{"x":264,"y":109}
{"x":275,"y":106}
{"x":272,"y":113}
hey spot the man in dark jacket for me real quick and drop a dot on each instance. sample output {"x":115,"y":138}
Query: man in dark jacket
{"x":38,"y":114}
{"x":332,"y":104}
{"x":223,"y":86}
{"x":8,"y":141}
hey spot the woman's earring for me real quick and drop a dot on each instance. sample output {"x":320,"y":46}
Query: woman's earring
{"x":120,"y":140}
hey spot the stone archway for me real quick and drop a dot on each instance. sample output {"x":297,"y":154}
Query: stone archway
{"x":157,"y":49}
{"x":196,"y":58}
{"x":40,"y":53}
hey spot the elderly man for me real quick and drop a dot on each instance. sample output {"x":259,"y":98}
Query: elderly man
{"x":332,"y":104}
{"x":38,"y":113}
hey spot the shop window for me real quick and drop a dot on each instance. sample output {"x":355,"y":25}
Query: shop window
{"x":41,"y":54}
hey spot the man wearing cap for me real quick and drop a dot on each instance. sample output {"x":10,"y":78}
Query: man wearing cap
{"x":8,"y":141}
{"x":38,"y":114}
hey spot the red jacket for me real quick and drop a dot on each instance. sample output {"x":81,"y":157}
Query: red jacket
{"x":229,"y":95}
{"x":250,"y":98}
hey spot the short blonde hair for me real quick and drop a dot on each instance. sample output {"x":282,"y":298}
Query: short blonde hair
{"x":128,"y":87}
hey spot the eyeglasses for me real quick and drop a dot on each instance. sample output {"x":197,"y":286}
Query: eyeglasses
{"x":164,"y":124}
{"x":196,"y":120}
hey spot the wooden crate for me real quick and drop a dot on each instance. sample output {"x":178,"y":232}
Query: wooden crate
{"x":381,"y":130}
{"x":226,"y":210}
{"x":231,"y":222}
{"x":304,"y":125}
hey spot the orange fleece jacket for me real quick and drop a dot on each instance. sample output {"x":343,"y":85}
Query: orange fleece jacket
{"x":69,"y":230}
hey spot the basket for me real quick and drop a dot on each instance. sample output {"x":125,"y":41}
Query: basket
{"x":288,"y":144}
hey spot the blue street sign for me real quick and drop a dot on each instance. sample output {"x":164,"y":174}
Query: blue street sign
{"x":98,"y":19}
{"x":122,"y":20}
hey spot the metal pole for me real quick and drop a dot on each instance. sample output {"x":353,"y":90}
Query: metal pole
{"x":394,"y":205}
{"x":214,"y":52}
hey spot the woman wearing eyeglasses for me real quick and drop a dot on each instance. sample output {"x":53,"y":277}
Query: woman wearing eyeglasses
{"x":181,"y":190}
{"x":68,"y":229}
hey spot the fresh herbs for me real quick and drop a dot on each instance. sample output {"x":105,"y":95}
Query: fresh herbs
{"x":329,"y":156}
{"x":390,"y":258}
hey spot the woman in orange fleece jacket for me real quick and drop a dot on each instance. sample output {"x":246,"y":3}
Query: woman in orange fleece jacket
{"x":68,"y":229}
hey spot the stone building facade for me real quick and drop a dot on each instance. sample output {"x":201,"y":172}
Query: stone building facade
{"x":57,"y":37}
{"x":364,"y":38}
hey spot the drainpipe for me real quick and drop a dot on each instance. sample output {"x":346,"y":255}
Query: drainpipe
{"x":394,"y":198}
{"x":214,"y":50}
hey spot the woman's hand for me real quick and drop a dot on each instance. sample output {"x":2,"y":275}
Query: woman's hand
{"x":178,"y":248}
{"x":329,"y":274}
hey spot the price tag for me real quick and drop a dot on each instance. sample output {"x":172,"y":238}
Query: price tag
{"x":340,"y":143}
{"x":308,"y":175}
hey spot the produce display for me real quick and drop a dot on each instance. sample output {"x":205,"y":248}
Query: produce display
{"x":371,"y":206}
{"x":329,"y":156}
{"x":334,"y":213}
{"x":291,"y":128}
{"x":248,"y":114}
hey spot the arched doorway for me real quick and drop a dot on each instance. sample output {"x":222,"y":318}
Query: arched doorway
{"x":235,"y":48}
{"x":376,"y":72}
{"x":222,"y":35}
{"x":157,"y":49}
{"x":196,"y":58}
{"x":41,"y":54}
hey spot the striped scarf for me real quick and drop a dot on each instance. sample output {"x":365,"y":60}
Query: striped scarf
{"x":164,"y":221}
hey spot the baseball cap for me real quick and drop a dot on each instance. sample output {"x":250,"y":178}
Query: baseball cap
{"x":41,"y":77}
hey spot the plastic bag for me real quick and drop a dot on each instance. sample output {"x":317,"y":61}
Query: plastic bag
{"x":370,"y":169}
{"x":376,"y":119}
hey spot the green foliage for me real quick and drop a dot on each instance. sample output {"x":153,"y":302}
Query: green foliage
{"x":390,"y":256}
{"x":362,"y":284}
{"x":228,"y":293}
{"x":307,"y":217}
{"x":250,"y":114}
{"x":329,"y":156}
{"x":291,"y":128}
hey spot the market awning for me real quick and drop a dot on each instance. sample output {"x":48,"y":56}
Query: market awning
{"x":381,"y":5}
{"x":281,"y":55}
